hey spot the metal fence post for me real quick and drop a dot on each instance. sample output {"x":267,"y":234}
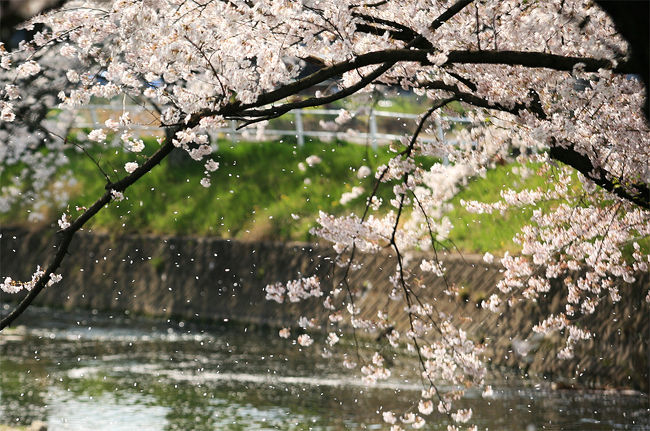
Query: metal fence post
{"x":233,"y":130}
{"x":300,"y":133}
{"x":373,"y":130}
{"x":441,"y":137}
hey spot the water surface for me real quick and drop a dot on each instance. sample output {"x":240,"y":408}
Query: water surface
{"x":94,"y":371}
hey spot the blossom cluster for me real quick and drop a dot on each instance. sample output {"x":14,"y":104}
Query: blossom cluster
{"x":13,"y":286}
{"x":294,"y":290}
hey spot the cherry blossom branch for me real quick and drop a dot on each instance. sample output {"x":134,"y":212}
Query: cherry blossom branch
{"x":407,"y":295}
{"x":68,"y":233}
{"x":637,"y":193}
{"x":449,"y":13}
{"x":402,"y":280}
{"x":508,"y":58}
{"x":407,"y":33}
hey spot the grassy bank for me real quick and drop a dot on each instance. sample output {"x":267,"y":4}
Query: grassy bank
{"x":259,"y":192}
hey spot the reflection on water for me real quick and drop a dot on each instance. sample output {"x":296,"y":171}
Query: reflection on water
{"x":99,"y":372}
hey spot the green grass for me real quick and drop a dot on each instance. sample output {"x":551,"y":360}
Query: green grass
{"x":416,"y":105}
{"x":253,"y":194}
{"x":480,"y":233}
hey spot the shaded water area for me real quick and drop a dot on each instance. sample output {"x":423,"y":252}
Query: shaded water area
{"x":94,"y":371}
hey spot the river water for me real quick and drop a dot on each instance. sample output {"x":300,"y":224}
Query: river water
{"x":94,"y":371}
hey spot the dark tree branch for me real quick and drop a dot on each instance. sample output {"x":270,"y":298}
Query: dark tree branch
{"x":68,"y":234}
{"x":449,"y":13}
{"x":276,"y":111}
{"x":638,"y":193}
{"x":388,"y":23}
{"x":479,"y":102}
{"x":407,"y":33}
{"x":376,"y":4}
{"x":534,"y":60}
{"x":436,"y":105}
{"x":403,"y":35}
{"x":463,"y":80}
{"x":396,"y":31}
{"x":512,"y":58}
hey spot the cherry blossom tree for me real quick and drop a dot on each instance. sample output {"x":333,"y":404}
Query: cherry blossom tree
{"x":553,"y":80}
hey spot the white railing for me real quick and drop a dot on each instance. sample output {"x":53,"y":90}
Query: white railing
{"x":374,"y":136}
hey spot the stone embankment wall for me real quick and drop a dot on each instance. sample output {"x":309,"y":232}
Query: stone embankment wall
{"x":215,"y":279}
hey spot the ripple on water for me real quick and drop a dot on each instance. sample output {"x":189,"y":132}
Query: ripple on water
{"x":73,"y":412}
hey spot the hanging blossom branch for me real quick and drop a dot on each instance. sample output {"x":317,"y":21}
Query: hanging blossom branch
{"x":444,"y":329}
{"x":423,"y":318}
